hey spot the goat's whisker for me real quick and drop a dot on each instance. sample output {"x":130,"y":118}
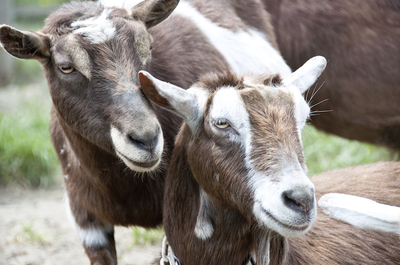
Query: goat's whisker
{"x":315,"y":92}
{"x":316,"y":104}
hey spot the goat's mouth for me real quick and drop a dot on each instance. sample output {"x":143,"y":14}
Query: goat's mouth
{"x":139,"y":166}
{"x":303,"y":226}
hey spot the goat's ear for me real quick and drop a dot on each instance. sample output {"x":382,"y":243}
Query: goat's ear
{"x":24,"y":44}
{"x":153,"y":12}
{"x":306,"y":75}
{"x":170,"y":97}
{"x":361,"y":212}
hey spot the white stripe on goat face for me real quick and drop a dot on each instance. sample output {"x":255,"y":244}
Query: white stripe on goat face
{"x":283,"y":194}
{"x":228,"y":106}
{"x":96,"y":29}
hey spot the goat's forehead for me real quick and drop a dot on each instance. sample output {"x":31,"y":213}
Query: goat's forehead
{"x":230,"y":102}
{"x":227,"y":103}
{"x":96,"y":29}
{"x":109,"y":24}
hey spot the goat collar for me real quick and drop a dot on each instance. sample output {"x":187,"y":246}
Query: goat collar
{"x":168,"y":257}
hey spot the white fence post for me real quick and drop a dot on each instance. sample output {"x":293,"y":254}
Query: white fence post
{"x":7,"y":15}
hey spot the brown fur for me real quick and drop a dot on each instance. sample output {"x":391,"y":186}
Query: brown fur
{"x":359,"y":40}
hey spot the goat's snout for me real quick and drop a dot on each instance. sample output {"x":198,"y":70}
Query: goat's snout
{"x":146,"y":141}
{"x":299,"y":200}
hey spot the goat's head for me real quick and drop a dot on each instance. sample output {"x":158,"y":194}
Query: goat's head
{"x":244,"y":142}
{"x":91,"y":55}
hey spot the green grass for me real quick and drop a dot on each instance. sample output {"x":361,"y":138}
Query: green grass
{"x":143,"y":237}
{"x":26,"y":153}
{"x":27,"y":234}
{"x":324,"y":152}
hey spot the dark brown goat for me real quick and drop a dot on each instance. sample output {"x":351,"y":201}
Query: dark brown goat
{"x":360,"y":39}
{"x":114,"y":147}
{"x":237,"y":182}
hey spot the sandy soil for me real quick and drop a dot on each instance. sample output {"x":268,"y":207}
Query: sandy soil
{"x":34,"y":230}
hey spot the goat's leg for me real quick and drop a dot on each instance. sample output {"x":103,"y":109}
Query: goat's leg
{"x":102,"y":255}
{"x":97,"y":237}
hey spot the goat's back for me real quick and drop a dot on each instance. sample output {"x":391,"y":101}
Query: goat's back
{"x":358,"y":38}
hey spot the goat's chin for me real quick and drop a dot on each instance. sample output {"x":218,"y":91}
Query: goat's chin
{"x":297,"y":225}
{"x":140,"y":166}
{"x":136,"y":156}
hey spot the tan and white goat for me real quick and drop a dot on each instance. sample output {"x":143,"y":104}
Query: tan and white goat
{"x":237,"y":184}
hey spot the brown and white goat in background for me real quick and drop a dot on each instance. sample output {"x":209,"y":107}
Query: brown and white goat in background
{"x":113,"y":144}
{"x":237,"y":184}
{"x":363,"y":212}
{"x":360,"y":39}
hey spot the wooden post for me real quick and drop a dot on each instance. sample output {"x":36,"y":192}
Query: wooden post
{"x":7,"y":15}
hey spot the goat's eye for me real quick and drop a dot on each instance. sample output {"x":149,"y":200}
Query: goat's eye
{"x":221,"y":123}
{"x":66,"y":69}
{"x":151,"y":48}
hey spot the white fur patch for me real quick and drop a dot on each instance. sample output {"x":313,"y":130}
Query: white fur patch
{"x":227,"y":104}
{"x":361,"y":212}
{"x":96,"y":29}
{"x":127,"y":151}
{"x":92,"y":236}
{"x":246,"y":52}
{"x":203,"y":228}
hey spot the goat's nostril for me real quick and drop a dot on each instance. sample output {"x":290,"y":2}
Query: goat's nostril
{"x":146,"y":143}
{"x":298,"y":202}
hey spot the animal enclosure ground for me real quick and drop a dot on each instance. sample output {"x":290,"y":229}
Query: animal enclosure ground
{"x":34,"y":230}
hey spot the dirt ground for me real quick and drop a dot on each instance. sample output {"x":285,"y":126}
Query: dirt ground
{"x":34,"y":230}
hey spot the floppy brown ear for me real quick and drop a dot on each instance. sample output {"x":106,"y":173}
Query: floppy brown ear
{"x":153,"y":12}
{"x":24,"y":44}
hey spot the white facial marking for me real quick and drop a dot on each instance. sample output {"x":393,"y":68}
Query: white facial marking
{"x":90,"y":237}
{"x":227,"y":104}
{"x":130,"y":154}
{"x":361,"y":212}
{"x":96,"y":29}
{"x":246,"y":52}
{"x":269,"y":207}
